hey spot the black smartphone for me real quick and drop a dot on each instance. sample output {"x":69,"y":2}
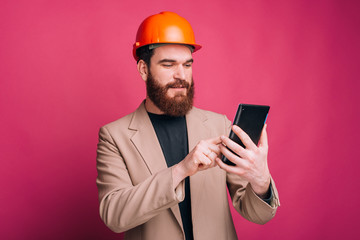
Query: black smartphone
{"x":250,"y":118}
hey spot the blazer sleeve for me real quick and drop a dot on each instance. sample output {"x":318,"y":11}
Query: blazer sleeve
{"x":123,"y":205}
{"x":245,"y":200}
{"x":248,"y":204}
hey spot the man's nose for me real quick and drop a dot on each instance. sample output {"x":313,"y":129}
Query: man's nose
{"x":179,"y":72}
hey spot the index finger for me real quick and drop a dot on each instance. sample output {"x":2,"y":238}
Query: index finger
{"x":214,"y":148}
{"x":213,"y":144}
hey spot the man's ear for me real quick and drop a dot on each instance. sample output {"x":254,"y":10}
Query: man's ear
{"x":143,"y":69}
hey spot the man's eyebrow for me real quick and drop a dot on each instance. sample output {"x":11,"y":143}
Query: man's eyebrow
{"x":166,"y":60}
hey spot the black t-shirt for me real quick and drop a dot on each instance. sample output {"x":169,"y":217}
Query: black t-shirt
{"x":172,"y":135}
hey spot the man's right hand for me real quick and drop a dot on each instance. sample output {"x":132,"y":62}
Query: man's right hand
{"x":202,"y":157}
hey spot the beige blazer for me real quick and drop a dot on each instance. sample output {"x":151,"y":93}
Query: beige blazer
{"x":135,"y":185}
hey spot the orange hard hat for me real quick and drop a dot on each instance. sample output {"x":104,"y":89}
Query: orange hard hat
{"x":165,"y":27}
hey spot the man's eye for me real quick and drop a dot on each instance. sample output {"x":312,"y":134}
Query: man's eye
{"x":167,"y":65}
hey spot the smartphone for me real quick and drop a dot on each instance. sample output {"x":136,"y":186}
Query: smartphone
{"x":250,"y":118}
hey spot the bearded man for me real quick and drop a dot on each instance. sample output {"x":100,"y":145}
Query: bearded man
{"x":159,"y":170}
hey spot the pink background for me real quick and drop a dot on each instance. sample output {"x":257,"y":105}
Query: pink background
{"x":67,"y":68}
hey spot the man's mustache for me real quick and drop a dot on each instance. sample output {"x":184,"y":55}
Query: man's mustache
{"x":177,"y":84}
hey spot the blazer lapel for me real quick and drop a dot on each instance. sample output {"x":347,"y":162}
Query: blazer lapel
{"x":145,"y":140}
{"x":197,"y":131}
{"x":147,"y":143}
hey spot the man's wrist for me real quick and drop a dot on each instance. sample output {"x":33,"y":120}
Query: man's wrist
{"x":263,"y":190}
{"x":268,"y":196}
{"x":178,"y":174}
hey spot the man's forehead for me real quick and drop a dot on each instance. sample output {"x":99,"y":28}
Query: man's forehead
{"x":173,"y":52}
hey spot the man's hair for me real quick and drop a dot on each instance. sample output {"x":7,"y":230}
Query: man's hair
{"x":145,"y":54}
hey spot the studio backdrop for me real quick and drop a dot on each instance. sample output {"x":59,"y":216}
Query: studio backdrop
{"x":66,"y":69}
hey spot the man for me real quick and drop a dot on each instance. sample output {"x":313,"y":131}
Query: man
{"x":159,"y":172}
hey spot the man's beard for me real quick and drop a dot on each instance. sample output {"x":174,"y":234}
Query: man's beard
{"x":176,"y":106}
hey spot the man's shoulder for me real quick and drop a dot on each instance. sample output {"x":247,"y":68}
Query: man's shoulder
{"x":121,"y":122}
{"x":216,"y":123}
{"x":210,"y":115}
{"x":127,"y":120}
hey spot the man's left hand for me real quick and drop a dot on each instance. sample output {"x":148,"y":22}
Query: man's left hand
{"x":250,"y":162}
